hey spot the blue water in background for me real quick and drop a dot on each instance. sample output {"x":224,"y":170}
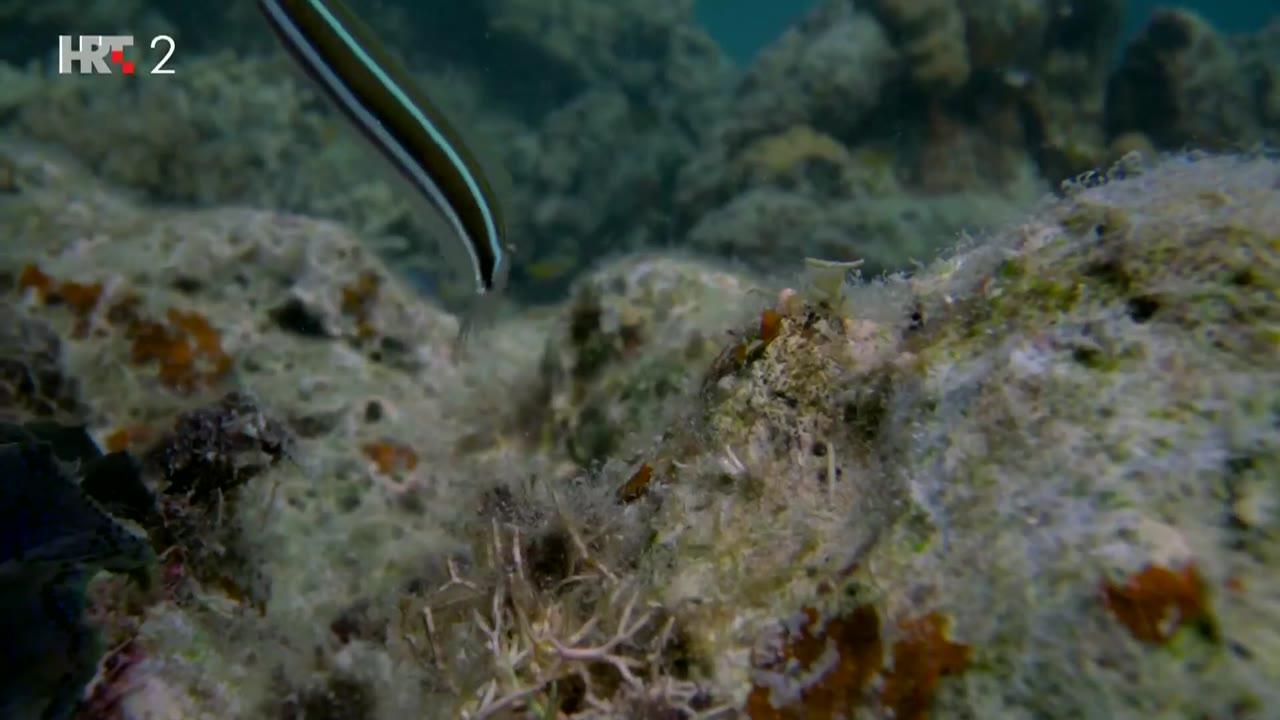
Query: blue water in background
{"x":1226,"y":15}
{"x":744,"y":27}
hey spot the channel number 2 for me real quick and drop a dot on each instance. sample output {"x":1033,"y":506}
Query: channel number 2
{"x":160,"y":68}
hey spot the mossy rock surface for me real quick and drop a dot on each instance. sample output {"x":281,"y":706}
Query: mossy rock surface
{"x":1014,"y":459}
{"x":1036,"y":478}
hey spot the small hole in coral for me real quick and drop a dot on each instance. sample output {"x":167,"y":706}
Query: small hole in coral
{"x":570,"y":692}
{"x":1089,"y":357}
{"x":916,"y":321}
{"x":294,"y":316}
{"x":550,"y":557}
{"x":187,"y":284}
{"x":1143,"y":308}
{"x":1244,"y":278}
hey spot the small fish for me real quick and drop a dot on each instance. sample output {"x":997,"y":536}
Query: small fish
{"x":551,"y":269}
{"x":375,"y":93}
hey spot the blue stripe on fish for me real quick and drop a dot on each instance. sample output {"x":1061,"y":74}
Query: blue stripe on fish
{"x":374,"y":92}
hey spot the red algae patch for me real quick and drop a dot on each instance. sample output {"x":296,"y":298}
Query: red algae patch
{"x":358,"y":299}
{"x":770,"y":326}
{"x":821,"y":670}
{"x":824,"y":671}
{"x":390,"y":457}
{"x":33,"y":278}
{"x":187,"y":350}
{"x":1157,"y":602}
{"x":921,"y":657}
{"x":129,"y":437}
{"x":81,"y":298}
{"x":636,"y":487}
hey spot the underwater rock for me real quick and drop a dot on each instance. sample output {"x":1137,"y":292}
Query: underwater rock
{"x":1260,"y":56}
{"x":916,"y":125}
{"x":634,"y":45}
{"x":113,"y":480}
{"x":1022,"y":454}
{"x":1049,"y":455}
{"x":214,"y":450}
{"x":235,"y":552}
{"x":55,"y":538}
{"x":340,"y":698}
{"x":1181,"y":82}
{"x":771,"y":230}
{"x":32,"y":381}
{"x":615,"y":94}
{"x":828,"y":72}
{"x":931,"y":37}
{"x":200,"y":468}
{"x":761,"y":226}
{"x":599,"y":166}
{"x":1060,"y":94}
{"x":626,"y":344}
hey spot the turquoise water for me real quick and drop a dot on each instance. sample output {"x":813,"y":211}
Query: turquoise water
{"x":744,"y":27}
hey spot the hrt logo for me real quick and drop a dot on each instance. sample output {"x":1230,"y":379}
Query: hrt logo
{"x":91,"y":56}
{"x":99,"y":54}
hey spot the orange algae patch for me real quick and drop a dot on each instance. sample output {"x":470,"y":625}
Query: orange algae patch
{"x":770,"y":326}
{"x":920,"y":659}
{"x":390,"y":457}
{"x":187,"y":351}
{"x":821,"y":671}
{"x":745,"y":351}
{"x":82,"y":299}
{"x":637,"y":486}
{"x":357,"y":301}
{"x":207,"y":340}
{"x":33,"y":278}
{"x":117,"y":441}
{"x":1156,"y":602}
{"x":126,"y":437}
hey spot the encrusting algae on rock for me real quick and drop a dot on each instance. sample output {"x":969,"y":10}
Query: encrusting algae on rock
{"x":1034,"y":478}
{"x":1157,"y":602}
{"x":991,"y":442}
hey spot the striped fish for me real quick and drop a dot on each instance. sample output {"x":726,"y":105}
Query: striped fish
{"x":374,"y":91}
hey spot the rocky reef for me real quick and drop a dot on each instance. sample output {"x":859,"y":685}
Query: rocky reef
{"x":873,"y":131}
{"x":859,"y":390}
{"x":1035,"y":477}
{"x":556,"y":94}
